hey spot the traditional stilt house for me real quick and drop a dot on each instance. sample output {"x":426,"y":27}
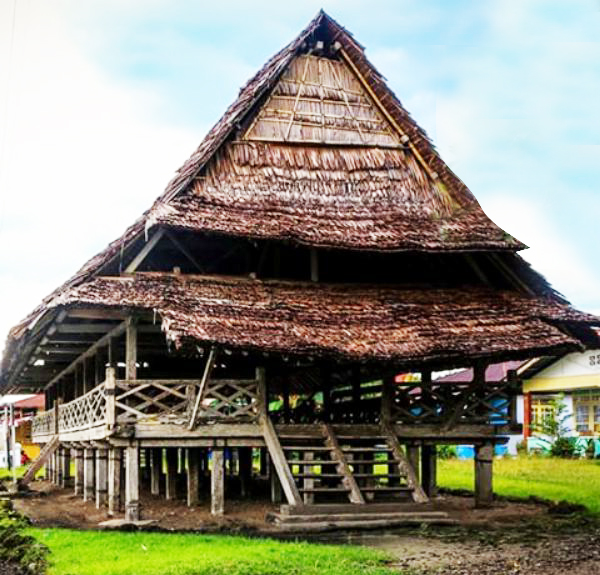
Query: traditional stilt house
{"x":255,"y":319}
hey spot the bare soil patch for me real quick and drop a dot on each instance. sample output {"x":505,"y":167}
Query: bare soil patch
{"x":510,"y":538}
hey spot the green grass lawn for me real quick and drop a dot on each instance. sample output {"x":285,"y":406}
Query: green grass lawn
{"x":573,"y":480}
{"x":113,"y":553}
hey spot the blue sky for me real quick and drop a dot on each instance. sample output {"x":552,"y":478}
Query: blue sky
{"x":102,"y":100}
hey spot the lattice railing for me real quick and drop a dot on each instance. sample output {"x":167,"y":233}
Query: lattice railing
{"x":229,"y":399}
{"x":84,"y":412}
{"x":161,"y":400}
{"x":453,"y":403}
{"x":43,"y":424}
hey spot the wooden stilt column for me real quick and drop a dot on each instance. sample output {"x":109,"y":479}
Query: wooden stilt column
{"x":132,"y":483}
{"x":155,"y":470}
{"x":412,"y":454}
{"x":217,"y":490}
{"x":78,"y":472}
{"x":429,"y":470}
{"x":171,"y":477}
{"x":276,"y":490}
{"x":245,"y":465}
{"x":193,"y":476}
{"x":114,"y":480}
{"x":89,"y":483}
{"x":484,"y":459}
{"x":101,"y":476}
{"x":60,"y":466}
{"x":66,"y":467}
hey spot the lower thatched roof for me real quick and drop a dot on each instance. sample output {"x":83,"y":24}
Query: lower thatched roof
{"x":358,"y":323}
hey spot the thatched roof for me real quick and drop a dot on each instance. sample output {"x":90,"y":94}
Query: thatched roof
{"x":354,"y":322}
{"x":318,"y":151}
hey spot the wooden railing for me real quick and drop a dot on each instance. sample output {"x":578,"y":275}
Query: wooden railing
{"x":450,"y":404}
{"x":43,"y":424}
{"x":84,"y":412}
{"x":122,"y":402}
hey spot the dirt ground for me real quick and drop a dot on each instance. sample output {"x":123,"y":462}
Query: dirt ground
{"x":510,"y":538}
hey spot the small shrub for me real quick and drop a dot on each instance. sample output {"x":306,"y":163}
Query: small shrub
{"x":564,"y":447}
{"x":447,"y":451}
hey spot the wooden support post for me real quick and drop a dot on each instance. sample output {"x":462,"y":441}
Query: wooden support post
{"x":88,"y":474}
{"x":245,"y":464}
{"x":193,"y":476}
{"x":309,"y":482}
{"x":429,"y":470}
{"x":412,"y":454}
{"x":110,"y":392}
{"x":276,"y":489}
{"x":131,"y":349}
{"x":484,"y":460}
{"x":66,"y":467}
{"x":78,"y":472}
{"x":101,"y":476}
{"x":526,"y":417}
{"x":171,"y":477}
{"x":286,"y":402}
{"x":114,"y":480}
{"x":217,"y":484}
{"x":132,"y":482}
{"x":155,"y":470}
{"x":60,"y":459}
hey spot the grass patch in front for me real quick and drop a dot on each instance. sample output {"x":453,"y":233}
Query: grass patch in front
{"x":552,"y":478}
{"x":118,"y":553}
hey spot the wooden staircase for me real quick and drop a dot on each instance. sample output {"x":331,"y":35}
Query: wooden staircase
{"x":327,"y":467}
{"x":40,"y":461}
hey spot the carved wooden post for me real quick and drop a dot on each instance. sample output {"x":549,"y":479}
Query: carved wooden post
{"x":155,"y":470}
{"x":101,"y":476}
{"x":386,"y":401}
{"x":132,"y":483}
{"x":263,"y":400}
{"x":193,"y":476}
{"x":217,"y":491}
{"x":114,"y":480}
{"x":110,"y":391}
{"x":171,"y":477}
{"x":56,"y":415}
{"x":88,"y":474}
{"x":484,"y":458}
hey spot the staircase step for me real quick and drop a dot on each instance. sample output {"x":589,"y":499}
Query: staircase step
{"x":357,"y":516}
{"x":373,"y":461}
{"x":303,"y":448}
{"x":328,"y":525}
{"x":317,"y":475}
{"x":312,"y":461}
{"x":323,"y":489}
{"x":366,"y":449}
{"x":379,"y":475}
{"x":376,"y":489}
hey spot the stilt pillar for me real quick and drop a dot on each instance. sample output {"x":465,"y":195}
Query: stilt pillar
{"x":101,"y":477}
{"x":89,"y":483}
{"x":171,"y":477}
{"x":78,"y":484}
{"x":429,"y":470}
{"x":193,"y":476}
{"x":155,"y":470}
{"x":132,"y":482}
{"x":412,"y":454}
{"x":114,"y":480}
{"x":276,"y":490}
{"x":245,"y":469}
{"x":66,"y":467}
{"x":56,"y":466}
{"x":60,"y":479}
{"x":217,"y":491}
{"x":484,"y":459}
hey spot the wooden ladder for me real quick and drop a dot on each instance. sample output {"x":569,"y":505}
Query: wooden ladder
{"x":40,"y":460}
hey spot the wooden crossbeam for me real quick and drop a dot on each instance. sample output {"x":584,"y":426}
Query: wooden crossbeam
{"x":205,"y":377}
{"x":145,"y":251}
{"x":114,"y":332}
